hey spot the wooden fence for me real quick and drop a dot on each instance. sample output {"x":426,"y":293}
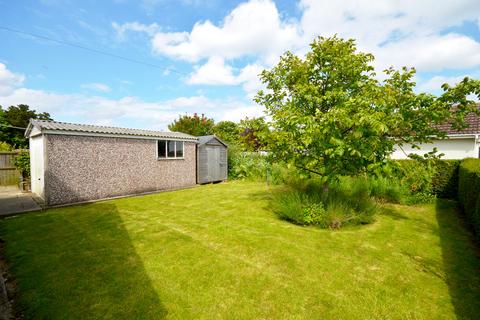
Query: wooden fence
{"x":9,"y":175}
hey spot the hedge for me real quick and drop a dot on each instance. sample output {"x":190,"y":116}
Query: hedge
{"x":469,"y":191}
{"x":438,"y":177}
{"x":445,"y":179}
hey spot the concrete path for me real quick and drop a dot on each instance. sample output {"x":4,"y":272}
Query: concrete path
{"x":13,"y":201}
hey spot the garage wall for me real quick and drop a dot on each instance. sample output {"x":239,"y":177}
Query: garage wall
{"x":452,"y":148}
{"x":81,"y":168}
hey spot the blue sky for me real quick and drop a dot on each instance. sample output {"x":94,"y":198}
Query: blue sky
{"x":207,"y":54}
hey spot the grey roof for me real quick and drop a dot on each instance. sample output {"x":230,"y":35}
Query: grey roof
{"x":207,"y":139}
{"x":86,"y":129}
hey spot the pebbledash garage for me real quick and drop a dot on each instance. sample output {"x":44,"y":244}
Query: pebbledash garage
{"x":73,"y":163}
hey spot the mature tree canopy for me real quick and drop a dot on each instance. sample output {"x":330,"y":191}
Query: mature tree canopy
{"x":332,"y":116}
{"x":194,"y":125}
{"x":228,"y":131}
{"x":18,"y":116}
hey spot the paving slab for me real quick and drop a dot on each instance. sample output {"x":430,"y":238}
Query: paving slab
{"x":13,"y":201}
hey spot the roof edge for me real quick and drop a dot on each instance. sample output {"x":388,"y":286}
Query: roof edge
{"x":44,"y":126}
{"x":29,"y":128}
{"x":116,"y":135}
{"x":214,"y":136}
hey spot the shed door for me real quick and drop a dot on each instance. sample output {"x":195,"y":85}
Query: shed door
{"x":213,"y":160}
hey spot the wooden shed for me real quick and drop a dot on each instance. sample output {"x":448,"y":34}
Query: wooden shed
{"x":211,"y":159}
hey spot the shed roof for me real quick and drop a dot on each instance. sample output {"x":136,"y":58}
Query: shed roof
{"x":86,"y":129}
{"x":207,"y":139}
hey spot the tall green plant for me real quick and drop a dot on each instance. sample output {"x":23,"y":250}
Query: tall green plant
{"x":22,"y":163}
{"x":333,"y":117}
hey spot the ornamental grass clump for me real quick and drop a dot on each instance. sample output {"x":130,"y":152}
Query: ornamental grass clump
{"x":308,"y":202}
{"x":299,"y":208}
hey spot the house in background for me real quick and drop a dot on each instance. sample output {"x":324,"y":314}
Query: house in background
{"x":459,"y":144}
{"x":74,"y":162}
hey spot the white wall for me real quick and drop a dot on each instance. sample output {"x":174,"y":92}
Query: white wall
{"x":37,"y":165}
{"x":452,"y":148}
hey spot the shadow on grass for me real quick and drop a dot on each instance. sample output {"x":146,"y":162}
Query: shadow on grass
{"x":461,"y":261}
{"x":79,"y":263}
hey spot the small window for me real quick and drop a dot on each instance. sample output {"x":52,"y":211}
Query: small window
{"x":170,"y":149}
{"x":179,"y":149}
{"x":162,"y":148}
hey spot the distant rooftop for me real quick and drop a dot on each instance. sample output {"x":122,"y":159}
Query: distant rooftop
{"x":47,"y":125}
{"x":473,"y":122}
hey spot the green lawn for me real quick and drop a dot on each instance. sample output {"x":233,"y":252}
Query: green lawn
{"x":218,"y":251}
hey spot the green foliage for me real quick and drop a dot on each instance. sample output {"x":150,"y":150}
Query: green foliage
{"x":308,"y":202}
{"x":246,"y":165}
{"x":331,"y":116}
{"x":4,"y":127}
{"x":22,"y":163}
{"x":193,"y":125}
{"x":426,"y":178}
{"x":416,"y":175}
{"x":469,"y":191}
{"x":228,"y":131}
{"x":253,"y":134}
{"x":296,"y":207}
{"x":445,"y":179}
{"x":18,"y":116}
{"x":5,"y":146}
{"x":387,"y":190}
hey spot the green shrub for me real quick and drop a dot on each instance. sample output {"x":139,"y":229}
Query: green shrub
{"x":426,"y":179}
{"x":416,"y":175}
{"x":308,"y":202}
{"x":5,"y":146}
{"x":299,"y":208}
{"x":445,"y":179}
{"x":246,"y":165}
{"x":22,"y":163}
{"x":469,"y":191}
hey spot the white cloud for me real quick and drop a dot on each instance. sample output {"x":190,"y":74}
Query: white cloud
{"x":408,"y":32}
{"x":9,"y":80}
{"x":121,"y":29}
{"x":217,"y":72}
{"x":432,"y":53}
{"x":214,"y":72}
{"x":239,"y":113}
{"x":95,"y":86}
{"x":252,"y":28}
{"x":435,"y":83}
{"x":249,"y":77}
{"x":399,"y":33}
{"x":131,"y":111}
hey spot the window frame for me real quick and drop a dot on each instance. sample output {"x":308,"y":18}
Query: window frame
{"x":174,"y":150}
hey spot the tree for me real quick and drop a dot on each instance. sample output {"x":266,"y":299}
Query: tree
{"x":194,"y":125}
{"x":18,"y":116}
{"x":332,"y":116}
{"x":253,"y":133}
{"x":4,"y":126}
{"x":228,"y":131}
